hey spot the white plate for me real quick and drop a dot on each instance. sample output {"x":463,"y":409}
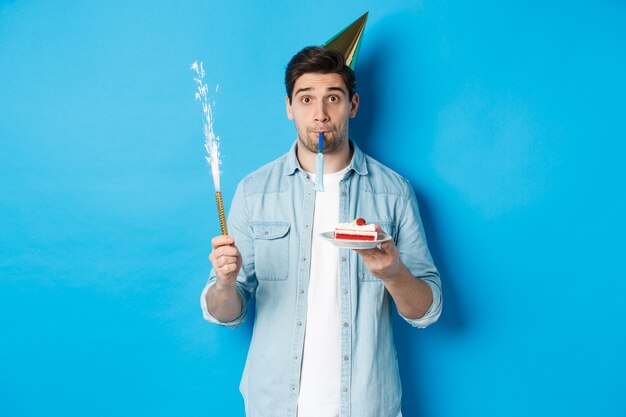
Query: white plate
{"x":355,"y":244}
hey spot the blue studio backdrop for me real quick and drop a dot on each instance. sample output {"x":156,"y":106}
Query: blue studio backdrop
{"x":507,"y":118}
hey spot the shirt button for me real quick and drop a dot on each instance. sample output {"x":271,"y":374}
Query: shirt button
{"x":299,"y":323}
{"x":306,"y":226}
{"x":345,"y":389}
{"x":293,"y":388}
{"x":345,"y":357}
{"x":304,"y":259}
{"x":343,"y":194}
{"x":296,"y":357}
{"x":343,"y":259}
{"x":345,"y":324}
{"x":301,"y":291}
{"x":345,"y":292}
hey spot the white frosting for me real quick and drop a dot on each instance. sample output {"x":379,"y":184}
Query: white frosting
{"x":355,"y":227}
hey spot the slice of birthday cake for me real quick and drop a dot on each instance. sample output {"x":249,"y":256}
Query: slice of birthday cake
{"x":357,"y":230}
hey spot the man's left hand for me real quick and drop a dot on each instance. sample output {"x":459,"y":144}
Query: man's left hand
{"x":383,"y":262}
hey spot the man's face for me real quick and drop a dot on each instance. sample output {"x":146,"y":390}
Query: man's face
{"x":320,"y":103}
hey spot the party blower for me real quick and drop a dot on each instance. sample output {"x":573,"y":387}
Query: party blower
{"x":319,"y":164}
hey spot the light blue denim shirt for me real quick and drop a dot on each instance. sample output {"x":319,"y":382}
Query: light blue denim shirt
{"x":270,"y":218}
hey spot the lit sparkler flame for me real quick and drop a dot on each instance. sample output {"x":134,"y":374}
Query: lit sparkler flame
{"x":211,"y":141}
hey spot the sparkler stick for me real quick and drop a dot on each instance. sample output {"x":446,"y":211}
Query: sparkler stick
{"x":211,"y":143}
{"x":220,"y":212}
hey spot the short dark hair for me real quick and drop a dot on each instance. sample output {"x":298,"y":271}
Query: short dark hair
{"x":314,"y":59}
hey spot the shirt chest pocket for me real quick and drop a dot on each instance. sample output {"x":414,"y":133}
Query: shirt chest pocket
{"x":362,"y":272}
{"x":271,"y":250}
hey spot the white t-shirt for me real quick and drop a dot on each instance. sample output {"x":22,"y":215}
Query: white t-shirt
{"x":321,"y":360}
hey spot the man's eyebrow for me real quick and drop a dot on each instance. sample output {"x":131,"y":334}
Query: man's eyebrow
{"x":300,"y":90}
{"x":343,"y":90}
{"x":333,"y":88}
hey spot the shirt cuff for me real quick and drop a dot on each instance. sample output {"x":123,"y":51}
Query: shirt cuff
{"x":208,"y":317}
{"x":433,"y":313}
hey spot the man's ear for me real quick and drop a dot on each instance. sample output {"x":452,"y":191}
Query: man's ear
{"x":354,"y":105}
{"x":288,"y":107}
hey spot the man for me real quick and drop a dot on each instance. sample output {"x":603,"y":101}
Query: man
{"x":322,"y":342}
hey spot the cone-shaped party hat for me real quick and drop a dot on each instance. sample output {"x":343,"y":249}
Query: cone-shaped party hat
{"x":348,"y":41}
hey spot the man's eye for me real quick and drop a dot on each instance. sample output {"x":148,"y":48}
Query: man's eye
{"x":305,"y":100}
{"x":333,"y":99}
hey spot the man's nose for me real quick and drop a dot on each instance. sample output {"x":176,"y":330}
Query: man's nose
{"x":321,"y":115}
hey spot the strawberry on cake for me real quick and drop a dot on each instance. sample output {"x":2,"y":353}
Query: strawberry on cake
{"x":357,"y":230}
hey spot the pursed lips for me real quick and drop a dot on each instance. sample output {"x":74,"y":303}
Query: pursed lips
{"x":319,"y":130}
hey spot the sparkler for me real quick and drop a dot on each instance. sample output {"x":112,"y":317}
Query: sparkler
{"x":211,"y":142}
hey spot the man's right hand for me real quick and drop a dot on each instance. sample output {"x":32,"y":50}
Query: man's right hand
{"x":226,"y":260}
{"x":222,"y":299}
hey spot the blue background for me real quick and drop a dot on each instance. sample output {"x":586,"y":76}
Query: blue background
{"x":508,"y":118}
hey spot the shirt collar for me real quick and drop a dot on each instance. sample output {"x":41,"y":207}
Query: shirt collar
{"x":357,"y":164}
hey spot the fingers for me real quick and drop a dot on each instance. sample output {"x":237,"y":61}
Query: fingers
{"x":222,"y":240}
{"x":225,"y":260}
{"x":383,"y":262}
{"x":385,"y":248}
{"x":385,"y":253}
{"x":226,"y":270}
{"x":225,"y":257}
{"x":369,"y":253}
{"x":388,"y":247}
{"x":225,"y":251}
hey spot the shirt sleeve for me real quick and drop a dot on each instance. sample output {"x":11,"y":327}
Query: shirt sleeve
{"x":239,"y":229}
{"x":414,"y":253}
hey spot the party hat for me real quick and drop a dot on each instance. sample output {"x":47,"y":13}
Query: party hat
{"x":348,"y":41}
